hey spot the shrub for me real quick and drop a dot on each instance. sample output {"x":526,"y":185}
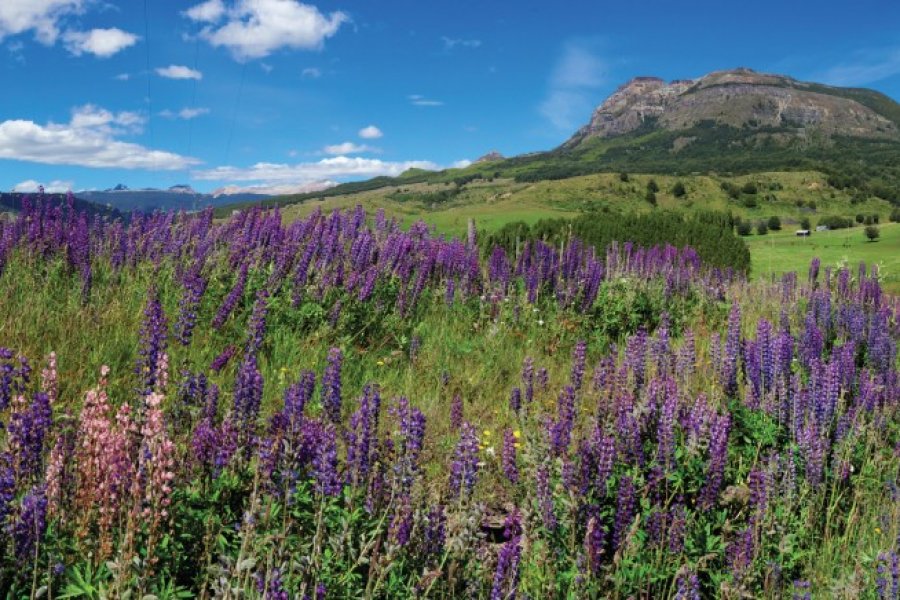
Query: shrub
{"x":678,"y":189}
{"x":872,"y":233}
{"x":652,"y":186}
{"x":804,"y":223}
{"x":749,"y":188}
{"x":774,"y":223}
{"x":650,"y":197}
{"x":762,"y":228}
{"x":744,"y":228}
{"x":860,"y":217}
{"x":623,"y":177}
{"x":895,"y":215}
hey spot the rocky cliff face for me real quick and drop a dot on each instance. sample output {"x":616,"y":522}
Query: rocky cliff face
{"x":739,"y":98}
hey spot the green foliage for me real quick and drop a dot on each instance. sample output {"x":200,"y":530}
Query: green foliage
{"x":652,"y":186}
{"x":678,"y":190}
{"x":709,"y":232}
{"x":872,"y":233}
{"x":744,"y":228}
{"x":804,"y":223}
{"x":774,"y":223}
{"x":762,"y":228}
{"x":836,"y":222}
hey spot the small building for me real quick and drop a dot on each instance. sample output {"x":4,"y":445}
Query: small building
{"x":822,"y":228}
{"x":802,"y":233}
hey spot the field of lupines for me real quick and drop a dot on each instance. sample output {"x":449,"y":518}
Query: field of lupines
{"x":338,"y":408}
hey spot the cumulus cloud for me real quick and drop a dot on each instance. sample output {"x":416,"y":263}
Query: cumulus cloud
{"x":347,"y":148}
{"x":336,"y":168}
{"x":30,"y":186}
{"x":257,"y":28}
{"x":573,"y":83}
{"x":420,"y":100}
{"x":311,"y":73}
{"x":89,"y":139}
{"x":185,"y":114}
{"x":178,"y":72}
{"x":451,"y":43}
{"x":102,"y":43}
{"x":276,"y":189}
{"x":207,"y":12}
{"x":122,"y":77}
{"x":41,"y":17}
{"x":370,"y":132}
{"x":461,"y":164}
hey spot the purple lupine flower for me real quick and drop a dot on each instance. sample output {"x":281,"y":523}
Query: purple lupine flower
{"x":325,"y":463}
{"x":331,"y":385}
{"x":248,"y":392}
{"x":194,"y":287}
{"x":544,"y":496}
{"x":665,"y":430}
{"x":256,"y":328}
{"x":409,"y":443}
{"x":506,"y":575}
{"x":434,"y":534}
{"x":231,"y":299}
{"x":718,"y":456}
{"x":364,"y":428}
{"x":528,"y":378}
{"x":154,"y":331}
{"x":741,"y":552}
{"x":456,"y":412}
{"x":561,"y":432}
{"x":579,"y":357}
{"x":7,"y":484}
{"x":28,"y":529}
{"x":515,"y":400}
{"x":27,"y":432}
{"x":728,"y":374}
{"x":464,"y":468}
{"x":687,"y":586}
{"x":801,"y":590}
{"x":543,"y":377}
{"x":636,"y":356}
{"x":686,"y":358}
{"x":223,"y":358}
{"x":508,"y":458}
{"x":677,"y":522}
{"x":814,"y":271}
{"x":887,"y":582}
{"x":594,"y":543}
{"x":275,"y":588}
{"x":625,"y":510}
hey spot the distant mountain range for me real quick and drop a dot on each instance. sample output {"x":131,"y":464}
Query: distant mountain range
{"x":177,"y":197}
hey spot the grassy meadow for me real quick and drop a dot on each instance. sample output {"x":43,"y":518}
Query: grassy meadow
{"x":342,"y":407}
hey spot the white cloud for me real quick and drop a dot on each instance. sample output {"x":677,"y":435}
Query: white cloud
{"x":42,"y":17}
{"x":178,"y":72}
{"x":461,"y":164}
{"x":102,"y":43}
{"x":122,"y":77}
{"x":347,"y":148}
{"x":867,"y":67}
{"x":338,"y":167}
{"x":30,"y":186}
{"x":185,"y":113}
{"x":257,"y":28}
{"x":370,"y":132}
{"x":89,"y":139}
{"x":420,"y":100}
{"x":311,"y":72}
{"x":207,"y":12}
{"x":451,"y":43}
{"x":573,"y":82}
{"x":277,"y":189}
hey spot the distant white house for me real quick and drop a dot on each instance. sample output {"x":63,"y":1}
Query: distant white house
{"x":802,"y":233}
{"x":822,"y":228}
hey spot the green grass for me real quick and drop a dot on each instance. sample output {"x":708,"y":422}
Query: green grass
{"x":783,"y":251}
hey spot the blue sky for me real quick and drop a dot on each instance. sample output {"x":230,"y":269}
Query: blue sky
{"x":280,"y":94}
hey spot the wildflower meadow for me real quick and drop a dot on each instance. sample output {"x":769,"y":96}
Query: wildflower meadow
{"x":339,"y":407}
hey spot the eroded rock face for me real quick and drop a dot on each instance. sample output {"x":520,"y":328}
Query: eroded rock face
{"x":739,"y":98}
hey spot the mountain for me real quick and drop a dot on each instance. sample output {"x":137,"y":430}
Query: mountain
{"x":731,"y":122}
{"x":177,"y":197}
{"x":743,"y":99}
{"x":12,"y":202}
